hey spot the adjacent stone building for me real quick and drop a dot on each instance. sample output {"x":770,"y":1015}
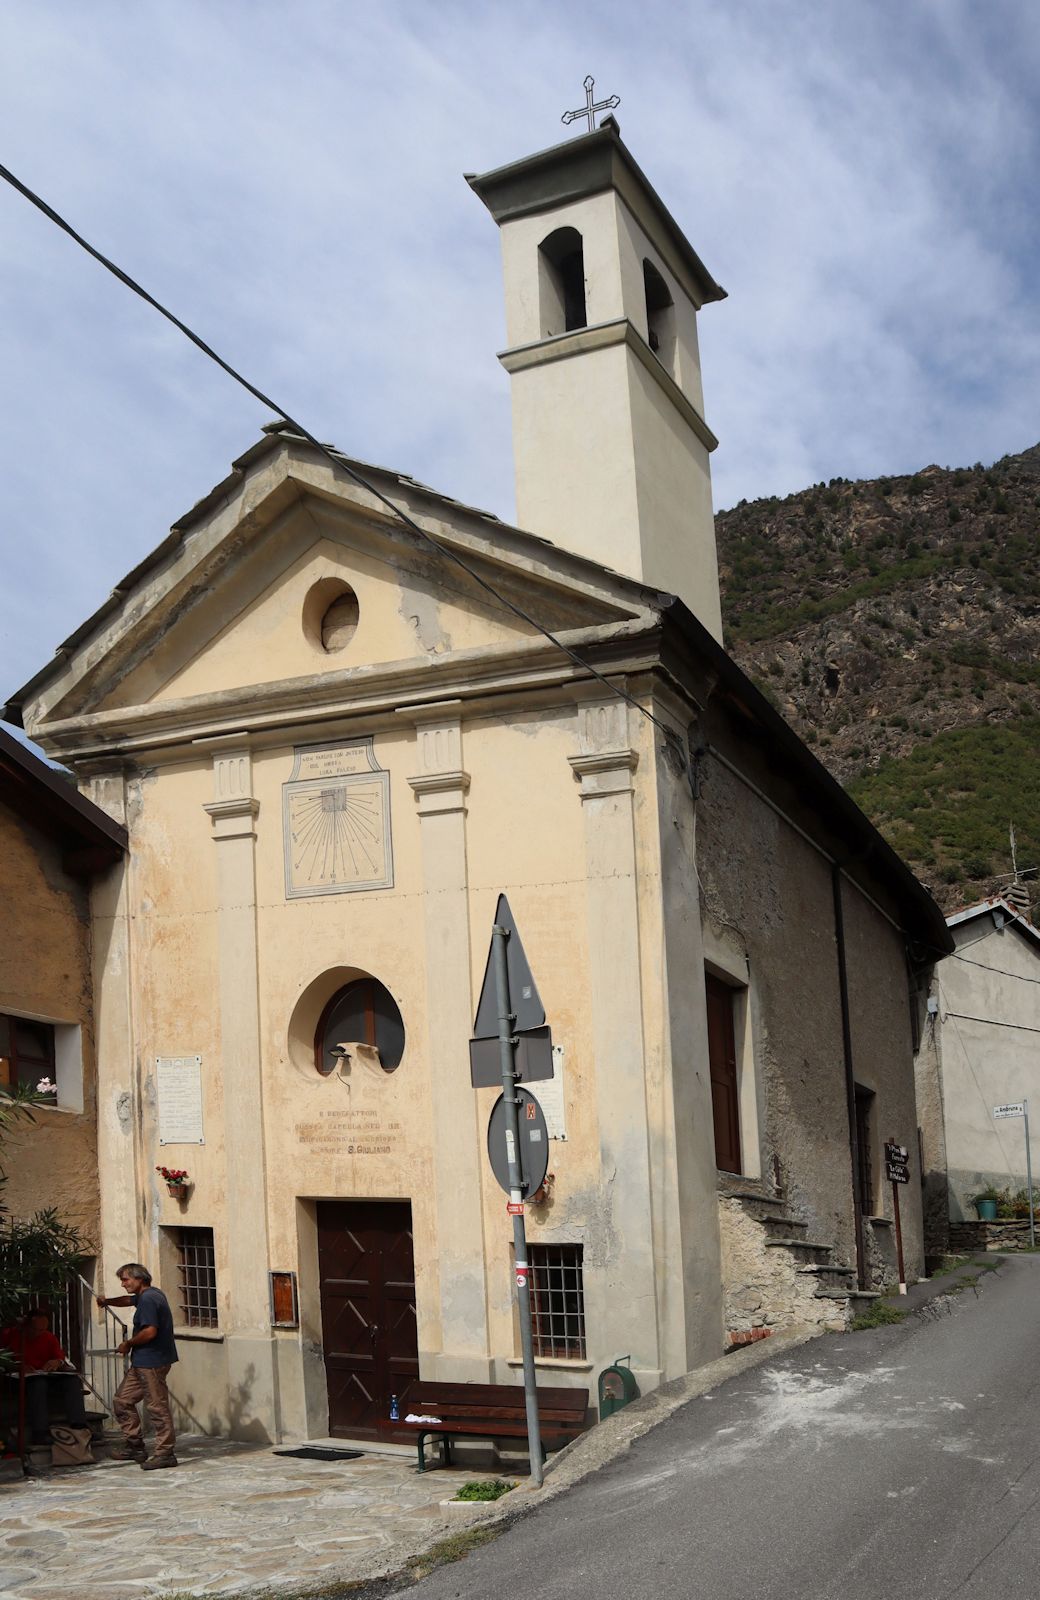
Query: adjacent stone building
{"x":339,"y":714}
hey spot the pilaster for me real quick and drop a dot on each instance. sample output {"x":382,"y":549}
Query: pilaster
{"x":115,"y":1046}
{"x":604,"y":768}
{"x":249,"y":1341}
{"x":441,"y":787}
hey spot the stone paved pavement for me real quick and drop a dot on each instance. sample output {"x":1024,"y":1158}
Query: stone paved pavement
{"x":231,"y":1519}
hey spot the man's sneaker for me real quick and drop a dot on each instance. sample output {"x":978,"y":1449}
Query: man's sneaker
{"x":128,"y":1452}
{"x":154,"y":1463}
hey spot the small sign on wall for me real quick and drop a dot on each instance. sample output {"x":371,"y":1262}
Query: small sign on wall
{"x":285,"y":1309}
{"x":178,"y":1084}
{"x":551,"y":1097}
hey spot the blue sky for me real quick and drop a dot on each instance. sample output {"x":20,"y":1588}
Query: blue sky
{"x":861,"y":178}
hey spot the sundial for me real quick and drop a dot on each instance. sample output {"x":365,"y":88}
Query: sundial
{"x":336,"y":821}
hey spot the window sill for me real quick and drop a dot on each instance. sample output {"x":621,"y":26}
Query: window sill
{"x":63,"y":1111}
{"x":879,"y":1222}
{"x":204,"y":1335}
{"x":554,"y":1363}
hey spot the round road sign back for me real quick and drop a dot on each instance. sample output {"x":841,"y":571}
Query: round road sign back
{"x":534,"y":1143}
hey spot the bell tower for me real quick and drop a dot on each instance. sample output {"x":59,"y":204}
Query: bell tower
{"x":602,"y":291}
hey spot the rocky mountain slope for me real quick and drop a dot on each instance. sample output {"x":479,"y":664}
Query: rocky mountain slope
{"x":896,"y":624}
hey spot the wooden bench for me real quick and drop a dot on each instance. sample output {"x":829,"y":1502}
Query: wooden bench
{"x":489,"y":1411}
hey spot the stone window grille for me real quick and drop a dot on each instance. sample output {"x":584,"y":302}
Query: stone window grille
{"x":557,"y":1301}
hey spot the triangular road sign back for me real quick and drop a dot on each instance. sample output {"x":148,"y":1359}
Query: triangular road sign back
{"x":523,"y":995}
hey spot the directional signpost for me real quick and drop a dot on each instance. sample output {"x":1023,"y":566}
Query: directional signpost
{"x":510,"y":1014}
{"x":897,"y":1167}
{"x":1020,"y":1108}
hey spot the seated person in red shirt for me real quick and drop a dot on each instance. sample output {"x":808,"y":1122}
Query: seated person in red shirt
{"x":48,"y":1372}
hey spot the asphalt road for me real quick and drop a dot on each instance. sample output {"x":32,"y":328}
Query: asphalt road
{"x":903,"y":1461}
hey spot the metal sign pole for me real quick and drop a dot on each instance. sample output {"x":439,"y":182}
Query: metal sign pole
{"x":499,"y":936}
{"x":899,"y":1239}
{"x":1029,"y":1177}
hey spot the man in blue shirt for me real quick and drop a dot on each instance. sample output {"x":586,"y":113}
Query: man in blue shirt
{"x":152,"y":1353}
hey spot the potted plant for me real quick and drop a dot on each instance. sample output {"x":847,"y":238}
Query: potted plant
{"x":986,"y":1202}
{"x":178,"y":1182}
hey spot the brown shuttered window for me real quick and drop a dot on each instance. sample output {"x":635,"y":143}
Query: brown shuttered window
{"x":722,"y":1058}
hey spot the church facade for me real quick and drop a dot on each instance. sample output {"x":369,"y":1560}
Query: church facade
{"x":334,"y":739}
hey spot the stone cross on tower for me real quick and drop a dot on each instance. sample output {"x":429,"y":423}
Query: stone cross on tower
{"x":588,"y":109}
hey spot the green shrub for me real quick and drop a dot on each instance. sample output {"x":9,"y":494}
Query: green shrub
{"x":879,"y":1315}
{"x":484,"y":1489}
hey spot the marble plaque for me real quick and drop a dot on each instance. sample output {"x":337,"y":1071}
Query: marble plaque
{"x":336,"y":821}
{"x":550,"y":1096}
{"x":178,"y":1083}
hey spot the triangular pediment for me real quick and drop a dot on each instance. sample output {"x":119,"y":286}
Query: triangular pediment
{"x":301,"y":576}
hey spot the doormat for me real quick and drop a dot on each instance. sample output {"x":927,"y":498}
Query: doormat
{"x":310,"y":1453}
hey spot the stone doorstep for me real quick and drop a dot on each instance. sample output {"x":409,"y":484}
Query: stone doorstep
{"x":844,"y":1272}
{"x":784,"y":1222}
{"x":849,"y":1294}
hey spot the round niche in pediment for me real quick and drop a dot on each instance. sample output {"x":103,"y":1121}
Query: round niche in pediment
{"x":330,"y":615}
{"x":348,"y":1024}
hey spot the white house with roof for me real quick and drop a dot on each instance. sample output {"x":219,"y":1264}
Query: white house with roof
{"x":979,"y":1049}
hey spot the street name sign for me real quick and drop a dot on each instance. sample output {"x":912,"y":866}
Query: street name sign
{"x":1014,"y":1108}
{"x":897,"y":1163}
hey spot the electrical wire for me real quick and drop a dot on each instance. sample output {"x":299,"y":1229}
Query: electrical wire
{"x":991,"y":1022}
{"x":340,"y":463}
{"x":1021,"y":976}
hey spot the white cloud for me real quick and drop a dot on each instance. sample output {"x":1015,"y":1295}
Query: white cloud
{"x":289,"y":180}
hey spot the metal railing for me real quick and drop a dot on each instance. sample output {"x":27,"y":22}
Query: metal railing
{"x":103,"y":1366}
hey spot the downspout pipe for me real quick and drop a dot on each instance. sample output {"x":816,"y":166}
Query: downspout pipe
{"x":850,"y":1077}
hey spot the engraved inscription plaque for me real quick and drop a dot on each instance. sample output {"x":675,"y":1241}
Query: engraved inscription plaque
{"x":178,"y":1082}
{"x":336,"y":821}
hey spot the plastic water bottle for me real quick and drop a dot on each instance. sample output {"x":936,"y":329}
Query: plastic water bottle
{"x":395,"y":1410}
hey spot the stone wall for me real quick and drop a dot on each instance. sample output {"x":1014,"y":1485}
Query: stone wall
{"x":762,"y":1288}
{"x":768,"y":897}
{"x":880,"y":1248}
{"x":1004,"y":1234}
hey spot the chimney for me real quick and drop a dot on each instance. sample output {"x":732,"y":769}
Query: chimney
{"x":602,"y":291}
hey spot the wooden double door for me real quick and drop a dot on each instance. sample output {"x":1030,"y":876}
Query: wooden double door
{"x":366,"y":1266}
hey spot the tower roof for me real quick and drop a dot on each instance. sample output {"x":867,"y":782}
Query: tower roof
{"x":586,"y":166}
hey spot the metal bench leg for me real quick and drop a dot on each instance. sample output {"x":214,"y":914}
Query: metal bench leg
{"x":446,"y":1442}
{"x":422,"y":1454}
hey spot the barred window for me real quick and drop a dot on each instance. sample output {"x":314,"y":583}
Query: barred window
{"x":557,"y":1301}
{"x":197,"y":1287}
